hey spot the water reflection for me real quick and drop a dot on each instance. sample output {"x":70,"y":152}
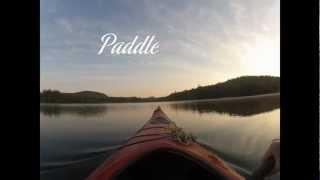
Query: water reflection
{"x":233,"y":107}
{"x":80,"y":110}
{"x":73,"y":138}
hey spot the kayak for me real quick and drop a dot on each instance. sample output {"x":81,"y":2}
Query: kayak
{"x":161,"y":150}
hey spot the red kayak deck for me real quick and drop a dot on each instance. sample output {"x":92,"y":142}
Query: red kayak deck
{"x":156,"y":135}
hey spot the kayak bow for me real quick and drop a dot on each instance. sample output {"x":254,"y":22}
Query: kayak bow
{"x":156,"y":152}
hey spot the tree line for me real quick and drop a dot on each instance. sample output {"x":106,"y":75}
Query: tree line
{"x":241,"y":86}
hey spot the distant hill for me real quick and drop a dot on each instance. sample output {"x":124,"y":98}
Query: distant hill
{"x":53,"y":96}
{"x":241,"y":86}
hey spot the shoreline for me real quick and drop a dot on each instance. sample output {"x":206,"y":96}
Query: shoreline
{"x":195,"y":100}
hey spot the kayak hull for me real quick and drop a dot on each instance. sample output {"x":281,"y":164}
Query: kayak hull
{"x":156,"y":136}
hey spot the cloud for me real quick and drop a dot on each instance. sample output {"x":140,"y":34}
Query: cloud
{"x":200,"y":41}
{"x":64,"y":24}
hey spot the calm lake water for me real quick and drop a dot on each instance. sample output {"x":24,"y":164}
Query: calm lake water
{"x":76,"y":138}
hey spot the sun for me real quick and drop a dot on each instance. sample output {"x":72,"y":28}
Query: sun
{"x":263,"y":57}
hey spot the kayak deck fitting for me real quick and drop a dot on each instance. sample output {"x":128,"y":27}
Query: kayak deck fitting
{"x":155,"y":153}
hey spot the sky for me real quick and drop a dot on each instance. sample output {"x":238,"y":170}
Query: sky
{"x":200,"y":43}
